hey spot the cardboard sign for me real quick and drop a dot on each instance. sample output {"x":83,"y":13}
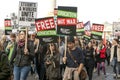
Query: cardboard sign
{"x":66,"y":20}
{"x":97,"y":31}
{"x":27,"y":13}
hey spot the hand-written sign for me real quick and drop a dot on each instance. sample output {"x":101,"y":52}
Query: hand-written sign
{"x":27,"y":13}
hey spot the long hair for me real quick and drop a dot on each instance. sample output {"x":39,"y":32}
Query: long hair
{"x":1,"y":47}
{"x":55,"y":50}
{"x":87,"y":47}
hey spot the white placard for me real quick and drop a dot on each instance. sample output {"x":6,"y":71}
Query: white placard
{"x":27,"y":13}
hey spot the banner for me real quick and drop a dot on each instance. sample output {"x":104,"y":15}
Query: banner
{"x":8,"y":27}
{"x":27,"y":13}
{"x":66,"y":20}
{"x":97,"y":31}
{"x":80,"y":29}
{"x":46,"y":29}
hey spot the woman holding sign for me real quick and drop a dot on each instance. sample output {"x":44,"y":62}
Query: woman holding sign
{"x":23,"y":54}
{"x":52,"y":63}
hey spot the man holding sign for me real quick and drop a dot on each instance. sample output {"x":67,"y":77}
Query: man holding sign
{"x":74,"y":60}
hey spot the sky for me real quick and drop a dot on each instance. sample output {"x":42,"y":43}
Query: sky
{"x":95,"y":11}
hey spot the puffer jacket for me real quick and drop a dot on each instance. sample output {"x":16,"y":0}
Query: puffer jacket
{"x":22,"y":59}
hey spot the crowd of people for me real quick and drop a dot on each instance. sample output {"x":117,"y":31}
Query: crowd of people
{"x":56,"y":61}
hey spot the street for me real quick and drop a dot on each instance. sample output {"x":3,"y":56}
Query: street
{"x":109,"y":75}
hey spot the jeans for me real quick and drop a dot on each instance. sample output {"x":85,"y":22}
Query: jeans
{"x":21,"y":73}
{"x":116,"y":65}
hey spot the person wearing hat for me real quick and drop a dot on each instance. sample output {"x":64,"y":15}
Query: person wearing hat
{"x":74,"y":60}
{"x":115,"y":57}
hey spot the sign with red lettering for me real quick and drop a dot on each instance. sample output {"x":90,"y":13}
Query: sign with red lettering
{"x":8,"y":26}
{"x":97,"y":31}
{"x":45,"y":24}
{"x":66,"y":20}
{"x":80,"y":29}
{"x":46,"y":30}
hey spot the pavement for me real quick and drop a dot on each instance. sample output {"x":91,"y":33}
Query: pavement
{"x":109,"y":75}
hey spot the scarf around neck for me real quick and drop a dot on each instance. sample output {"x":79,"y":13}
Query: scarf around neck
{"x":21,"y":43}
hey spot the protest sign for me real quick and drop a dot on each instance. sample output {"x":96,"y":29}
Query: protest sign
{"x":8,"y":27}
{"x":46,"y":29}
{"x":66,"y":20}
{"x":97,"y":31}
{"x":27,"y":13}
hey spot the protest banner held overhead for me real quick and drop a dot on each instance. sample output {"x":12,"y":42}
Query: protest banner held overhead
{"x":46,"y":29}
{"x":66,"y":20}
{"x":27,"y":13}
{"x":8,"y":26}
{"x":97,"y":31}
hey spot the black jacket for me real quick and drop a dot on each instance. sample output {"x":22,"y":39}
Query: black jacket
{"x":4,"y":67}
{"x":20,"y":59}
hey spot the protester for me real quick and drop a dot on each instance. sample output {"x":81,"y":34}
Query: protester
{"x":10,"y":49}
{"x":108,"y":52}
{"x":115,"y":57}
{"x":23,"y":57}
{"x":73,"y":66}
{"x":11,"y":45}
{"x":5,"y":71}
{"x":36,"y":52}
{"x":101,"y":50}
{"x":89,"y":59}
{"x":4,"y":41}
{"x":52,"y":63}
{"x":61,"y":46}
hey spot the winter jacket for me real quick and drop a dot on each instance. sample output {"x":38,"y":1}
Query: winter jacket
{"x":22,"y":59}
{"x":112,"y":54}
{"x":4,"y":67}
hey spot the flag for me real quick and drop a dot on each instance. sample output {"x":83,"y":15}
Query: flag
{"x":87,"y":26}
